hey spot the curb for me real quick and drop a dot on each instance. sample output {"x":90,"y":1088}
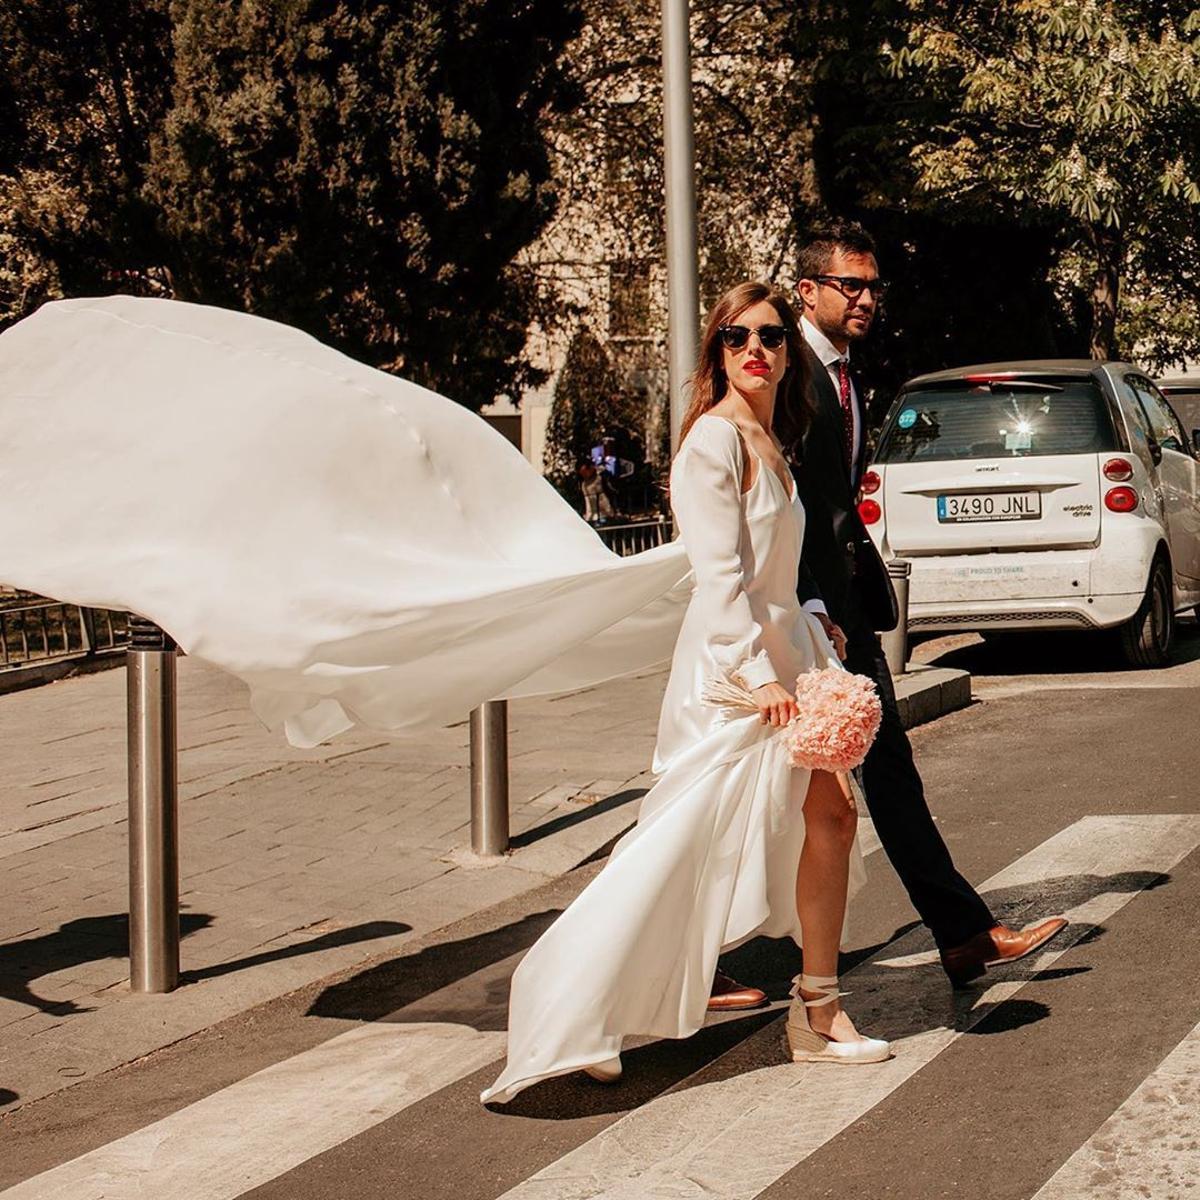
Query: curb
{"x":924,"y":693}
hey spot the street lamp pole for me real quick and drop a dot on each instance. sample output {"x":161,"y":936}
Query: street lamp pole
{"x":679,"y":161}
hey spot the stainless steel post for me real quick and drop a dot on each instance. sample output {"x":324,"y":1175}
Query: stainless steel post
{"x":489,"y":777}
{"x":895,"y":643}
{"x":153,"y":810}
{"x":679,"y":163}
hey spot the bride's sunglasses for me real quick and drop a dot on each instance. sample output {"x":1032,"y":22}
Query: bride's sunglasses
{"x":734,"y":337}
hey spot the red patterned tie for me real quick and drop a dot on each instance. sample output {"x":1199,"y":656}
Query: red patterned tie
{"x":847,"y":403}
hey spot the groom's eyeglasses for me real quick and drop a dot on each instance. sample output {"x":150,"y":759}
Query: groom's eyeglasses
{"x":734,"y":337}
{"x":851,"y":286}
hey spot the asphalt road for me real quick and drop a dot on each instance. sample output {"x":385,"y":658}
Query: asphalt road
{"x":1069,"y":786}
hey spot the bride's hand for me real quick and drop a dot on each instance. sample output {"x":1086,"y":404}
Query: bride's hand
{"x":776,"y":705}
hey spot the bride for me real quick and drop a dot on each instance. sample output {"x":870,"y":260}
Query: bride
{"x":329,"y":534}
{"x":732,"y":841}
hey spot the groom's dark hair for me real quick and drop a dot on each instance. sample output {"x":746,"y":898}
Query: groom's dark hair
{"x":824,"y":240}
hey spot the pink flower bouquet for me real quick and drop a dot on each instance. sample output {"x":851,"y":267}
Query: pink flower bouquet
{"x":838,"y":719}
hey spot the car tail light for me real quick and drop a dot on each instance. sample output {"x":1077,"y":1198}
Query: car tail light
{"x":870,"y":483}
{"x":1119,"y":470}
{"x":1121,"y":499}
{"x":870,"y":512}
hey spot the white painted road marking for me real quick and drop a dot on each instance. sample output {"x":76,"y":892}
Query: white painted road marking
{"x":258,"y":1128}
{"x":683,"y":1144}
{"x":731,"y":1139}
{"x":1149,"y":1147}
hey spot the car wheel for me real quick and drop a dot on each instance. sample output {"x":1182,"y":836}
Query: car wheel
{"x":1147,"y":638}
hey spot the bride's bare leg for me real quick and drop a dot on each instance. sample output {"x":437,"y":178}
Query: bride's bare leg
{"x":830,"y":822}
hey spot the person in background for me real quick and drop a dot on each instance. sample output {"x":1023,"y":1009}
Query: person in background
{"x":597,"y":507}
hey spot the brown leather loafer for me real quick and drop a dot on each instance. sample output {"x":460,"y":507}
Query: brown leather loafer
{"x":730,"y":996}
{"x":997,"y":945}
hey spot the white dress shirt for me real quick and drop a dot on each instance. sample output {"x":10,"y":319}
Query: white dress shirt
{"x":830,"y":355}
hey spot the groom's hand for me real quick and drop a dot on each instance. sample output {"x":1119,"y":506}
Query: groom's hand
{"x":833,"y":633}
{"x":776,"y":705}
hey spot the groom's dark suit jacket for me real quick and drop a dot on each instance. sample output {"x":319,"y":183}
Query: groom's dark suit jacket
{"x":839,"y":563}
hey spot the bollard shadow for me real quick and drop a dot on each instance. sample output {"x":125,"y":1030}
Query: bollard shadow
{"x":83,"y":940}
{"x":7,"y":1096}
{"x":586,"y":812}
{"x":428,"y":978}
{"x":368,"y":931}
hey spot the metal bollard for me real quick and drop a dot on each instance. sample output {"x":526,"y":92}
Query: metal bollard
{"x":153,"y":809}
{"x":895,"y":642}
{"x":489,"y":777}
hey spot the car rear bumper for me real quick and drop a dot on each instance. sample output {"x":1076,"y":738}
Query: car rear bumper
{"x":1063,"y":589}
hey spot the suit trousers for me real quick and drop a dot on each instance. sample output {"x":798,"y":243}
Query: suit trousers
{"x":895,"y":797}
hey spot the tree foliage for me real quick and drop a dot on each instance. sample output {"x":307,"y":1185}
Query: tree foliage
{"x":84,"y":86}
{"x":751,"y":153}
{"x":1081,"y":117}
{"x":366,"y":172}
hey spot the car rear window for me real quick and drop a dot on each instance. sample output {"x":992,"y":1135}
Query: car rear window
{"x":980,"y":421}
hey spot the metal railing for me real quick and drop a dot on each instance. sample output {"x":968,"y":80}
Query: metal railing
{"x":36,"y":630}
{"x":635,"y":536}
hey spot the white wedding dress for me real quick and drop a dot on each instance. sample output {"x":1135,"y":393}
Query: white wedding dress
{"x":360,"y":550}
{"x":713,"y":858}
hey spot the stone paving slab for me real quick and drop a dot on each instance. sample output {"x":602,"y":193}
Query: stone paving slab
{"x":294,"y":863}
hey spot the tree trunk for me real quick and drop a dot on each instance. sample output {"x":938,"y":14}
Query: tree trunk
{"x":1107,"y":250}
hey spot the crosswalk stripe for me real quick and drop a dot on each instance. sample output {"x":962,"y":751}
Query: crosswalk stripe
{"x":731,"y":1139}
{"x":380,"y":1068}
{"x":274,"y":1120}
{"x":271,"y":1122}
{"x":1150,"y":1146}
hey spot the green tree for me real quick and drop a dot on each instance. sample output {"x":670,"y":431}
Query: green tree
{"x":84,"y":86}
{"x":1081,"y":118}
{"x":368,"y":173}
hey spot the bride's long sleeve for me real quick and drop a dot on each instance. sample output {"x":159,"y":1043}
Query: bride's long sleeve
{"x":706,"y":484}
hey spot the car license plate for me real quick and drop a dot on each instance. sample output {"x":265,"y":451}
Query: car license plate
{"x":990,"y":506}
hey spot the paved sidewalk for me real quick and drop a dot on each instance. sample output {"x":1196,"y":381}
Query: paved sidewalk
{"x":295,"y":863}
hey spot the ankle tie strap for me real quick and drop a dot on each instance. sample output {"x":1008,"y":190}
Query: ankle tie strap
{"x":827,"y":985}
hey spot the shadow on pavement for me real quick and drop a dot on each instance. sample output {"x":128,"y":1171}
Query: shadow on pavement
{"x":8,"y":1097}
{"x":586,"y":811}
{"x":466,"y":982}
{"x":366,"y":932}
{"x":650,"y":1070}
{"x":84,"y":940}
{"x":1051,"y":653}
{"x":378,"y":991}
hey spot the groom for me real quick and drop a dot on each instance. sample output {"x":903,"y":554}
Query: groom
{"x":845,"y":584}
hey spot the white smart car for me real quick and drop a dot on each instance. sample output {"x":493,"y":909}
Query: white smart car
{"x":1040,"y":495}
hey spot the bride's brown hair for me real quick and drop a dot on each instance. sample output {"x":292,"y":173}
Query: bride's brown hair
{"x":709,"y":382}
